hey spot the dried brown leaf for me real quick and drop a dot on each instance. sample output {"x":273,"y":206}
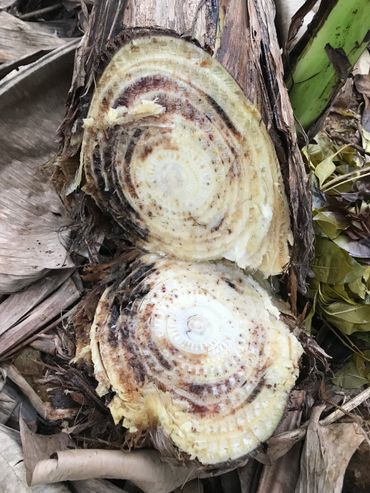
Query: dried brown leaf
{"x":12,"y":470}
{"x":33,"y":224}
{"x":365,"y":118}
{"x":326,"y":454}
{"x":357,"y":479}
{"x":45,"y":343}
{"x":4,"y":4}
{"x":44,"y":409}
{"x":39,"y":317}
{"x":280,"y":470}
{"x":11,"y":401}
{"x":362,"y":83}
{"x":247,"y":476}
{"x":362,"y":66}
{"x":229,"y":482}
{"x":144,"y":468}
{"x":195,"y":486}
{"x":281,"y":443}
{"x":282,"y":475}
{"x":8,"y":402}
{"x":18,"y":305}
{"x":19,"y":40}
{"x":39,"y":447}
{"x":96,"y":486}
{"x":292,"y":18}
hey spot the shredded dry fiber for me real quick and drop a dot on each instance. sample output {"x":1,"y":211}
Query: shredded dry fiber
{"x":174,"y":151}
{"x":196,"y":351}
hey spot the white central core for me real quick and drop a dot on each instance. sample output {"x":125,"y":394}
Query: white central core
{"x":181,"y":179}
{"x":197,"y":325}
{"x":171,"y":177}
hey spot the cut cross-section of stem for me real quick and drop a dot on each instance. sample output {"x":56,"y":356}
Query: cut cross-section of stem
{"x":178,"y":156}
{"x":195,"y":352}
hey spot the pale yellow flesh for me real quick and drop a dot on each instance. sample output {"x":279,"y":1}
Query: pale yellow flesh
{"x":203,"y":187}
{"x":221,"y":368}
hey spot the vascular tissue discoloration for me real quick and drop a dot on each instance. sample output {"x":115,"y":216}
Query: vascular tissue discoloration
{"x":198,"y":349}
{"x":177,"y":155}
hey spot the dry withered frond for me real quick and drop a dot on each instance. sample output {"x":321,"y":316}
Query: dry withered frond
{"x":33,"y":238}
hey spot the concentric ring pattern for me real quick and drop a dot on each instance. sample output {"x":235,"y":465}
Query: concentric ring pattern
{"x":176,"y":154}
{"x":197,"y":351}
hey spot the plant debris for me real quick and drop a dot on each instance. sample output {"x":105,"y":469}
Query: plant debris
{"x":21,"y":41}
{"x":341,"y":211}
{"x":38,"y":237}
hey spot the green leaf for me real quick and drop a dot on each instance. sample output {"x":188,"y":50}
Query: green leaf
{"x":348,"y":318}
{"x":358,"y":288}
{"x":365,"y":140}
{"x":362,"y":362}
{"x":331,"y":223}
{"x":348,"y":154}
{"x":358,"y":313}
{"x":313,"y":154}
{"x":326,"y":145}
{"x":362,"y":338}
{"x":324,"y":170}
{"x":332,"y":265}
{"x":349,"y":377}
{"x":332,"y":293}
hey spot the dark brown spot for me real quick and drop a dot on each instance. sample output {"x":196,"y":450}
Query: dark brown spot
{"x":131,"y":146}
{"x":148,"y":312}
{"x":139,"y":372}
{"x":159,"y":356}
{"x":223,"y":115}
{"x":196,"y":388}
{"x":127,"y":161}
{"x":106,"y":101}
{"x":145,"y":84}
{"x":145,"y":152}
{"x":114,"y":200}
{"x":218,"y":225}
{"x":231,"y":284}
{"x":257,"y":389}
{"x":96,"y":166}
